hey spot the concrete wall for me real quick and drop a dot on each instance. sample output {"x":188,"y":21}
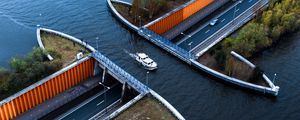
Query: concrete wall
{"x":166,"y":23}
{"x":46,"y":88}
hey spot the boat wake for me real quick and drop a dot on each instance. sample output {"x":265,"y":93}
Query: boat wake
{"x":132,"y":55}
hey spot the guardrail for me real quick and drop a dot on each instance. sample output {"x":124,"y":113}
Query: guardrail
{"x":229,"y":28}
{"x":120,"y":73}
{"x":166,"y":44}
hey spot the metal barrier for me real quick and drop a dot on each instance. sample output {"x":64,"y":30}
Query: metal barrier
{"x":166,"y":44}
{"x":120,"y":73}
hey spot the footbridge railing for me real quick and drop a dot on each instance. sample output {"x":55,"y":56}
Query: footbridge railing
{"x":120,"y":73}
{"x":166,"y":44}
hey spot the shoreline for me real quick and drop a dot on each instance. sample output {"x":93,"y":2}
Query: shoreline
{"x":273,"y":45}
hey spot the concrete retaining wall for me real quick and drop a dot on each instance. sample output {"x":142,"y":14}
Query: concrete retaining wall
{"x":124,"y":107}
{"x":71,"y":38}
{"x":120,"y":17}
{"x":139,"y":97}
{"x":244,"y":60}
{"x":263,"y":89}
{"x":167,"y":105}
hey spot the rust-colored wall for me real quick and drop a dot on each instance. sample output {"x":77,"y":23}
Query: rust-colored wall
{"x":174,"y":19}
{"x":47,"y":90}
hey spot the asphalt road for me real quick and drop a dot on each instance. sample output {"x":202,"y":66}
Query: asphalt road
{"x":94,"y":105}
{"x":223,"y":19}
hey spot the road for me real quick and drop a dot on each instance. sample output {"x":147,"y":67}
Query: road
{"x":223,"y":19}
{"x":94,"y":105}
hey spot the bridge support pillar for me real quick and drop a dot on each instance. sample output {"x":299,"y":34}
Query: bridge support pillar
{"x":123,"y":91}
{"x":103,"y":75}
{"x":97,"y":69}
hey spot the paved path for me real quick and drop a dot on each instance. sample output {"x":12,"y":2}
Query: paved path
{"x":223,"y":19}
{"x":94,"y":105}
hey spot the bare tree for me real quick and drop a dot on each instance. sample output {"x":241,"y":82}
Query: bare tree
{"x":135,"y":10}
{"x":152,"y":7}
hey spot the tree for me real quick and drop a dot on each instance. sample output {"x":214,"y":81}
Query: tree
{"x":288,"y":21}
{"x":276,"y":32}
{"x":135,"y":9}
{"x":152,"y":7}
{"x":4,"y":80}
{"x":267,"y":18}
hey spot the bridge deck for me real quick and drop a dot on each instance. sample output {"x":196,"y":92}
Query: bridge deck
{"x":119,"y":73}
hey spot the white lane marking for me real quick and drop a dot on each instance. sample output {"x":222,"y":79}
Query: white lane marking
{"x":100,"y":103}
{"x":207,"y":23}
{"x":207,"y":31}
{"x":82,"y":104}
{"x":223,"y":20}
{"x":237,"y":10}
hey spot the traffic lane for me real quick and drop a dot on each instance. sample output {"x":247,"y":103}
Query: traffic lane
{"x":224,"y":19}
{"x":207,"y":31}
{"x":96,"y":105}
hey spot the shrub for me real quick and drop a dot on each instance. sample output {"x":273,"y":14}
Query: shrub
{"x":27,"y":70}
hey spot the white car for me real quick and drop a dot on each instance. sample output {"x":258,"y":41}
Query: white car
{"x":147,"y":62}
{"x":213,"y":22}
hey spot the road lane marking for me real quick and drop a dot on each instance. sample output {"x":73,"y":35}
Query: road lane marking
{"x":207,"y":31}
{"x":82,"y":104}
{"x":223,"y":20}
{"x":100,"y":103}
{"x":99,"y":113}
{"x":221,"y":29}
{"x":237,"y":10}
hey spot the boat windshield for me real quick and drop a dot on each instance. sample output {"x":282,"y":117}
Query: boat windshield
{"x":144,"y":58}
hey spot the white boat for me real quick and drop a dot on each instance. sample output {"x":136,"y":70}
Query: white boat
{"x":147,"y":62}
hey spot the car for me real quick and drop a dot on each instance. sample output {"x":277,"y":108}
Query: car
{"x":213,"y":22}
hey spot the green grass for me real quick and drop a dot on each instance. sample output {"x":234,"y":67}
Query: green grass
{"x":67,"y":48}
{"x":147,"y":108}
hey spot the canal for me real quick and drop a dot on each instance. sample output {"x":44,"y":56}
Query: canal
{"x":195,"y":94}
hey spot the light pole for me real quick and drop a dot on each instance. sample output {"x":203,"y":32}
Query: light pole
{"x":140,"y":21}
{"x":147,"y":78}
{"x":190,"y":46}
{"x":274,"y":78}
{"x":182,"y":33}
{"x":185,"y":35}
{"x":107,"y":88}
{"x":240,"y":1}
{"x":97,"y":42}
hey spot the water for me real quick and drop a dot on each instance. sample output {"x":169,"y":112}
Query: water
{"x":192,"y":92}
